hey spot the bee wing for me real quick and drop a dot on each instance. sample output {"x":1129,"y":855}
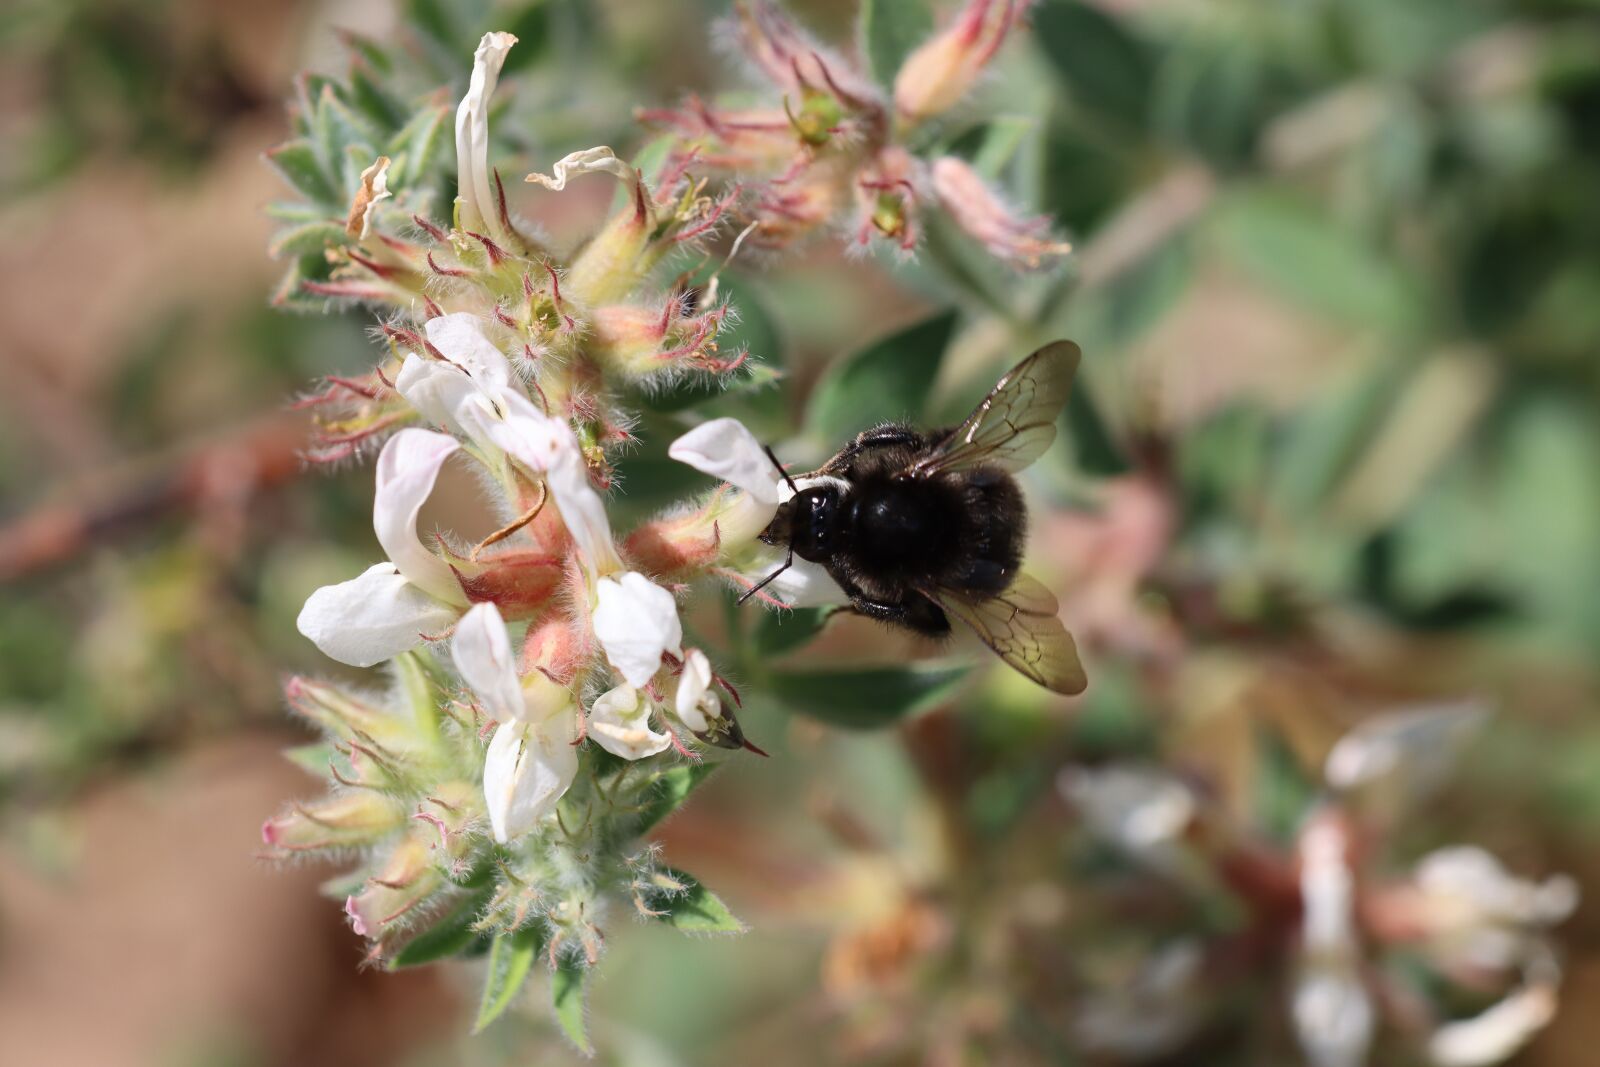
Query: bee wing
{"x":1017,"y":420}
{"x":1021,"y":625}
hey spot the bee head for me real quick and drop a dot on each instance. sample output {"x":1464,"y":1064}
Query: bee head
{"x":806,"y":523}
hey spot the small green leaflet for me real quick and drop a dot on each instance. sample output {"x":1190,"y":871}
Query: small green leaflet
{"x":888,"y":380}
{"x":691,"y":907}
{"x":510,"y":958}
{"x":566,"y":996}
{"x":449,"y":936}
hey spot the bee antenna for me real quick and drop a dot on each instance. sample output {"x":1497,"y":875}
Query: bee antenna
{"x":785,"y":476}
{"x":763,"y":583}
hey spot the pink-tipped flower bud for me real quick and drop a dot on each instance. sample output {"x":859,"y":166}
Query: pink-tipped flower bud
{"x":406,"y":879}
{"x":347,"y":718}
{"x":1008,"y":235}
{"x":944,"y":69}
{"x":352,"y":819}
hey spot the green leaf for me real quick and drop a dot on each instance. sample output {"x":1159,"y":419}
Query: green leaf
{"x":297,"y":162}
{"x":303,"y":240}
{"x":1108,"y":68}
{"x":419,"y":143}
{"x":511,"y":956}
{"x":668,"y":792}
{"x":1313,"y":259}
{"x":891,"y":30}
{"x":566,"y":995}
{"x":374,"y":103}
{"x":691,"y":907}
{"x":888,"y":380}
{"x":450,"y":935}
{"x":777,"y":632}
{"x":865,"y":698}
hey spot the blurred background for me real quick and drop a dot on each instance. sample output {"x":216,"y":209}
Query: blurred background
{"x":1335,"y":451}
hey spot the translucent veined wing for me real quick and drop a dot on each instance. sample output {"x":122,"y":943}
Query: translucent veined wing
{"x":1022,"y":626}
{"x":1017,"y":420}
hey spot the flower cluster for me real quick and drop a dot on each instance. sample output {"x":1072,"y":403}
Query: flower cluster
{"x":1451,"y":954}
{"x":544,"y":709}
{"x":835,"y":150}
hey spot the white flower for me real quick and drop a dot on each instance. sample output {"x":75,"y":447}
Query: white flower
{"x":619,"y":722}
{"x":635,"y":621}
{"x":531,"y":760}
{"x":390,"y":607}
{"x":725,"y":449}
{"x":1480,"y":915}
{"x":1497,"y":1032}
{"x":1141,"y":810}
{"x":469,"y":392}
{"x":474,"y":180}
{"x":529,"y":767}
{"x":1333,"y":1013}
{"x":695,"y":704}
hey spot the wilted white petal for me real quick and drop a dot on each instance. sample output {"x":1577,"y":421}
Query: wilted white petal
{"x":1469,"y":884}
{"x":474,"y":184}
{"x":619,"y":722}
{"x":1496,"y":1033}
{"x":724,"y":449}
{"x":549,"y":446}
{"x":1141,"y":809}
{"x":635,"y":621}
{"x":482,"y":652}
{"x":374,"y":187}
{"x":589,"y":161}
{"x":460,"y":338}
{"x":407,"y":468}
{"x":1416,"y":746}
{"x":694,"y":699}
{"x":1327,"y":887}
{"x":526,"y":770}
{"x":373,"y":617}
{"x":1333,"y":1016}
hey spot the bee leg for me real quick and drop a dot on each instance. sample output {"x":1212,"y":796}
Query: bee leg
{"x":916,"y":612}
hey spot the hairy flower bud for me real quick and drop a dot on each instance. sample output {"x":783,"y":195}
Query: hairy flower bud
{"x":351,"y":819}
{"x":944,"y":69}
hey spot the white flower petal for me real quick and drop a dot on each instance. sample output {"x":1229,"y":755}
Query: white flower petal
{"x":461,"y":339}
{"x":1416,"y":745}
{"x":435,"y":389}
{"x":635,"y":621}
{"x":599,"y":160}
{"x":482,"y":652}
{"x":525,"y":772}
{"x":694,"y":697}
{"x":373,"y":617}
{"x":1333,"y":1016}
{"x":549,"y":446}
{"x":1468,"y":881}
{"x":1496,"y":1033}
{"x":479,"y":211}
{"x":1327,"y":887}
{"x":724,"y":449}
{"x":805,"y":585}
{"x":619,"y":722}
{"x":408,"y":466}
{"x":1140,"y":809}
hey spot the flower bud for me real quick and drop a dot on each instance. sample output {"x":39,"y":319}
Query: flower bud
{"x":944,"y":69}
{"x":342,"y":820}
{"x":345,"y":717}
{"x":975,"y":207}
{"x":406,"y":879}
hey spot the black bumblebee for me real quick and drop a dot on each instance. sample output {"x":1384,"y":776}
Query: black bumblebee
{"x":916,"y":526}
